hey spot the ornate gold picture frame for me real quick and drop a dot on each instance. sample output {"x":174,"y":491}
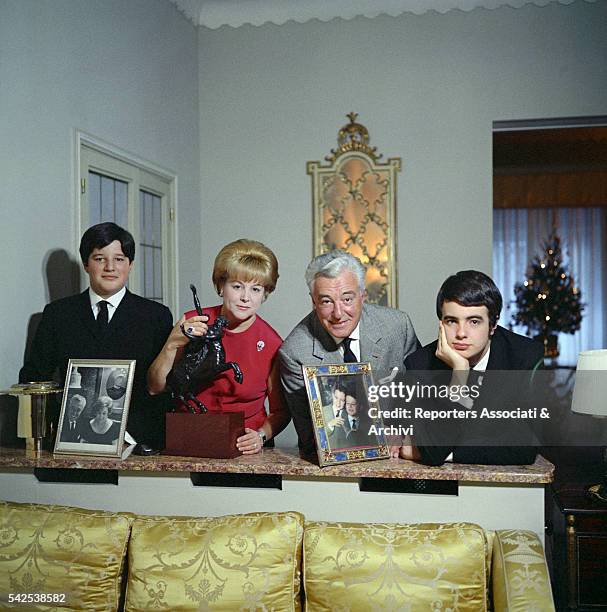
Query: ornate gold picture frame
{"x":347,"y":425}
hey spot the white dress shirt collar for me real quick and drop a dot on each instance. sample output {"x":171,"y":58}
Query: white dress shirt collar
{"x":481,"y":366}
{"x":354,"y":344}
{"x":113,"y":302}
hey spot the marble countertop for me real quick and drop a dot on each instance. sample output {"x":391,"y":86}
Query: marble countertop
{"x":286,"y":462}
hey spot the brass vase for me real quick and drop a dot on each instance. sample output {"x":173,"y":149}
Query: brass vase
{"x":38,"y":413}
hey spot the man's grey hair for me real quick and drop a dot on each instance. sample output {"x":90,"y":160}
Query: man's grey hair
{"x":332,"y":264}
{"x":80,"y":398}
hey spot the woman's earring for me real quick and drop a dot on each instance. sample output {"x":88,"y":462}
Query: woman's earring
{"x":221,"y":293}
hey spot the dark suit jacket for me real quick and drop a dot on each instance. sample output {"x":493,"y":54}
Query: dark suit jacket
{"x":360,"y":436}
{"x":69,"y":435}
{"x":509,"y":351}
{"x":137,"y":330}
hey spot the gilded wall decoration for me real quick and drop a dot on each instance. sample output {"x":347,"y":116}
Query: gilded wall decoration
{"x":354,"y":208}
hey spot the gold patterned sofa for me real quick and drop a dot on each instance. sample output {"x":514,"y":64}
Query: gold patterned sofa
{"x":63,"y":558}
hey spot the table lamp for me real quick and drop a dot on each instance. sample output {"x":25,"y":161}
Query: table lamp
{"x":590,"y":397}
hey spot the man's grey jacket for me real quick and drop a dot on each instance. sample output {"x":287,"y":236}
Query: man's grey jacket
{"x":386,"y":338}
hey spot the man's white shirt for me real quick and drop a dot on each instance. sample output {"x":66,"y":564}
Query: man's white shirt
{"x":113,"y":302}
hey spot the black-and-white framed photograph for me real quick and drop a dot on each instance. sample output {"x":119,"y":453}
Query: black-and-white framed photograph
{"x":95,"y":407}
{"x":347,"y":425}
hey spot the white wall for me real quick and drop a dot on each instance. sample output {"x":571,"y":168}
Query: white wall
{"x":123,"y":71}
{"x":428,"y":89}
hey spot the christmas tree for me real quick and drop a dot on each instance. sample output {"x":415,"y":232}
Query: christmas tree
{"x":548,"y":302}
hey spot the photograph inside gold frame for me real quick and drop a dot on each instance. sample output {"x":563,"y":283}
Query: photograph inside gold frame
{"x":38,"y":412}
{"x":589,"y":395}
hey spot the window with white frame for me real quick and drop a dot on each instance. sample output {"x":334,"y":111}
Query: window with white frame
{"x":116,"y":187}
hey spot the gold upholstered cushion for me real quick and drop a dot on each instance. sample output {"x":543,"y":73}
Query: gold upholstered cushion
{"x":46,"y":550}
{"x":245,"y":562}
{"x":520,"y":575}
{"x":359,"y":567}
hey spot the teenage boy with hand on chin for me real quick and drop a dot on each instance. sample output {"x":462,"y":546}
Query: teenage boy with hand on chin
{"x":469,"y":344}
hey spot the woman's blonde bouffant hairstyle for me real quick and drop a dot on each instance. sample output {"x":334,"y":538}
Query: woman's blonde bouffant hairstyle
{"x":246,"y":260}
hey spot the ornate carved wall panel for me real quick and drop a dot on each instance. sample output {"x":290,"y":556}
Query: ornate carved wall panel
{"x":354,"y":204}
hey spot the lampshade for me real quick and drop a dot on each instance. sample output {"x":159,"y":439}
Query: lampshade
{"x":590,"y":390}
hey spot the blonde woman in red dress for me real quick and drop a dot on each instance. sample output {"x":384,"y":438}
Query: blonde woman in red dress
{"x":244,"y":274}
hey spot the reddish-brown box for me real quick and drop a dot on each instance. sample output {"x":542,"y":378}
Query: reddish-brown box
{"x":210,"y":434}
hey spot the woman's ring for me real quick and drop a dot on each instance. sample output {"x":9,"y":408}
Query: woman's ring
{"x":190,"y":330}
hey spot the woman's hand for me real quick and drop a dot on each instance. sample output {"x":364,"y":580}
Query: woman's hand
{"x":250,"y":443}
{"x":197,"y":326}
{"x":172,"y":349}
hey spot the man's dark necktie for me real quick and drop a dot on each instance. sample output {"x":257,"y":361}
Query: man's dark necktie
{"x":354,"y":425}
{"x":349,"y":356}
{"x":102,"y":316}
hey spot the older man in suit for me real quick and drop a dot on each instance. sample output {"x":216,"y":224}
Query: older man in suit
{"x":106,"y":321}
{"x":70,"y":430}
{"x":341,"y":328}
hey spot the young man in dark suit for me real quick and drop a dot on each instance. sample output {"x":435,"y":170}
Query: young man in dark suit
{"x":106,"y":321}
{"x":469,"y":344}
{"x":355,"y":428}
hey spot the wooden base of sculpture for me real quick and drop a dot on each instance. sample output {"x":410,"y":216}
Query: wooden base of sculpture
{"x":203,"y":435}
